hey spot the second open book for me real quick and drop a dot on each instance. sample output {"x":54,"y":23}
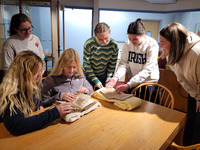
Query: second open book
{"x":122,"y":100}
{"x":110,"y":93}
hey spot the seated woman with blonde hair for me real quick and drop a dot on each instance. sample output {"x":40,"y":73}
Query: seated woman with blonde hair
{"x":65,"y":80}
{"x":20,"y":96}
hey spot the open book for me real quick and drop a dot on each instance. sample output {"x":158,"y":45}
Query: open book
{"x":81,"y":106}
{"x":110,"y":93}
{"x":123,"y":100}
{"x":82,"y":102}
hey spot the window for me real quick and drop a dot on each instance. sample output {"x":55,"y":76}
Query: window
{"x":78,"y":28}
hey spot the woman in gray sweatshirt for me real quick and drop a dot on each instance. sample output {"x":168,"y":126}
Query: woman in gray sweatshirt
{"x":65,"y":80}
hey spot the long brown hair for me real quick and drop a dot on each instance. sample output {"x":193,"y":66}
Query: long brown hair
{"x":176,"y":34}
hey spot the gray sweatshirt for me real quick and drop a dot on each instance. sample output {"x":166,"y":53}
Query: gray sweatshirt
{"x":55,"y":86}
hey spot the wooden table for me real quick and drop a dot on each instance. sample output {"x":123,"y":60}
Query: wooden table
{"x":149,"y":126}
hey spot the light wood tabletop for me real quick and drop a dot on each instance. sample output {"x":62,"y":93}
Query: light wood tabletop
{"x":150,"y":126}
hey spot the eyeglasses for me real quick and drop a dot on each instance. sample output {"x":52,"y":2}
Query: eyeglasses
{"x":28,"y":29}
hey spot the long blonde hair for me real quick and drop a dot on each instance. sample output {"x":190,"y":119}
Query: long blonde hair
{"x":66,"y":58}
{"x":20,"y":80}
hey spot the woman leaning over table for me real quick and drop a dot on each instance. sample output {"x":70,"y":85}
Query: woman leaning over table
{"x":183,"y":57}
{"x":20,"y":40}
{"x":100,"y":56}
{"x":20,"y":96}
{"x":139,"y":55}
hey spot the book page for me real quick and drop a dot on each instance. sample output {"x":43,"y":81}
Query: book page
{"x":110,"y":93}
{"x":82,"y":101}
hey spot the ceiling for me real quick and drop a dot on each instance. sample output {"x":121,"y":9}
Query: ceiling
{"x":162,"y":1}
{"x":15,"y":2}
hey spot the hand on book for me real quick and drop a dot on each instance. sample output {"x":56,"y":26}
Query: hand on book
{"x":64,"y":108}
{"x":98,"y":86}
{"x":83,"y":90}
{"x":111,"y":82}
{"x":122,"y":88}
{"x":68,"y":97}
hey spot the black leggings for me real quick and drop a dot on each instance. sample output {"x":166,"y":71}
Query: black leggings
{"x":192,"y":126}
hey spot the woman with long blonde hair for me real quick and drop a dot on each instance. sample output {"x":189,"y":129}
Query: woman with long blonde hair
{"x":20,"y":96}
{"x":65,"y":80}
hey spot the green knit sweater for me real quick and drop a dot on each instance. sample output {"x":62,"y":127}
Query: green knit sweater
{"x":99,"y":59}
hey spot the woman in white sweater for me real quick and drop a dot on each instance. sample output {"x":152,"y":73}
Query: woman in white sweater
{"x":20,"y":40}
{"x":183,"y":50}
{"x":139,"y":55}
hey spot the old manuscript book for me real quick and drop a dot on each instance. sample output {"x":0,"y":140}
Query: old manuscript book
{"x":110,"y":93}
{"x":122,"y":100}
{"x":81,"y":106}
{"x":83,"y":102}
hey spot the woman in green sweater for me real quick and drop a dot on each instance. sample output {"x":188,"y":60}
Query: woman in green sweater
{"x":100,"y":56}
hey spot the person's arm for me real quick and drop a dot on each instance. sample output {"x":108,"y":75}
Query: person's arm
{"x":49,"y":96}
{"x":87,"y":65}
{"x":17,"y":124}
{"x":8,"y":54}
{"x":151,"y":63}
{"x":112,"y":62}
{"x":121,"y":68}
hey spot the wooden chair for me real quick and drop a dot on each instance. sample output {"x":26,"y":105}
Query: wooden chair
{"x":174,"y":146}
{"x":161,"y":94}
